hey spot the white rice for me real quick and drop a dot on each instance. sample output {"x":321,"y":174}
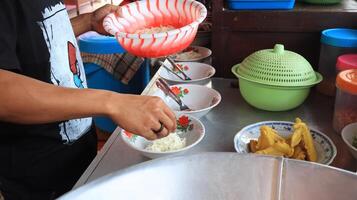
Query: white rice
{"x":159,"y":29}
{"x":170,"y":143}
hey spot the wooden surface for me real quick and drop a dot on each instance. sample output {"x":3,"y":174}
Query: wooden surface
{"x":237,"y":34}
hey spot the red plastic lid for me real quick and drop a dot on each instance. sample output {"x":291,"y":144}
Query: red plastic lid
{"x":347,"y":81}
{"x":348,"y":61}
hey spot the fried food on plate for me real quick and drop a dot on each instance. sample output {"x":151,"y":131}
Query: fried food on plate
{"x":270,"y":151}
{"x":284,"y":148}
{"x":296,"y":137}
{"x":299,"y":153}
{"x":253,"y":146}
{"x":300,"y":145}
{"x":307,"y":140}
{"x":266,"y":138}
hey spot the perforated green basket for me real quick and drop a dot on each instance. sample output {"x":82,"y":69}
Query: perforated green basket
{"x":275,"y":79}
{"x":278,"y":67}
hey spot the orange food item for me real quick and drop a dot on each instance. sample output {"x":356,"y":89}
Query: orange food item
{"x":253,"y":146}
{"x":308,"y":142}
{"x":299,"y":146}
{"x":270,"y":151}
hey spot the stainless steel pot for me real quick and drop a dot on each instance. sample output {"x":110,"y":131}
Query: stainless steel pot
{"x":212,"y":176}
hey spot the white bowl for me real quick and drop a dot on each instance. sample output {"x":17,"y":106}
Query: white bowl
{"x":200,"y":73}
{"x":199,"y":98}
{"x":326,"y":150}
{"x":348,"y":133}
{"x":192,"y":129}
{"x":203,"y":51}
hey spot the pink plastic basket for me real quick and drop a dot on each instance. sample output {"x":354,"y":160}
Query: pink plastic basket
{"x":184,"y":15}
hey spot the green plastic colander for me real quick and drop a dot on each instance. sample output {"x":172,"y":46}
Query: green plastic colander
{"x":275,"y":79}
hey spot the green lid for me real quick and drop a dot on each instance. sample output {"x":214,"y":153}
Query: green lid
{"x":278,"y":67}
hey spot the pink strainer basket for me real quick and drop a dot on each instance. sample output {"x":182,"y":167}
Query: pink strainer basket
{"x":184,"y":15}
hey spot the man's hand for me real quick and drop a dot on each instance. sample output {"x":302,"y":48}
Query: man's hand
{"x":142,"y":115}
{"x":92,"y":21}
{"x":98,"y":16}
{"x":30,"y":101}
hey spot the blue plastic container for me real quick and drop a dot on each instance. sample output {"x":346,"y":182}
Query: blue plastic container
{"x":99,"y":78}
{"x":260,"y":4}
{"x":340,"y":37}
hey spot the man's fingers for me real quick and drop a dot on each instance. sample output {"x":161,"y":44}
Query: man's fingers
{"x":167,"y":121}
{"x":172,"y":117}
{"x":100,"y":13}
{"x":113,"y":8}
{"x":150,"y":135}
{"x":162,"y":133}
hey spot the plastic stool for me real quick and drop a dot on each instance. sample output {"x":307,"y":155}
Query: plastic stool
{"x":99,"y":78}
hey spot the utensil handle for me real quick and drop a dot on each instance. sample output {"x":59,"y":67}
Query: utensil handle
{"x":165,"y":84}
{"x":172,"y":62}
{"x":170,"y":70}
{"x":167,"y":92}
{"x":167,"y":87}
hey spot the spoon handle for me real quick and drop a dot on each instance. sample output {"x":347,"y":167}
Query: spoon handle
{"x":172,"y":62}
{"x":170,"y":70}
{"x":166,"y":92}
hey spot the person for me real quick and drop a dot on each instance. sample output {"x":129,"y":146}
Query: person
{"x":46,"y":132}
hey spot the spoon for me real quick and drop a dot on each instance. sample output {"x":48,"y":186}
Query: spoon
{"x":172,"y":62}
{"x":170,"y":70}
{"x":162,"y":85}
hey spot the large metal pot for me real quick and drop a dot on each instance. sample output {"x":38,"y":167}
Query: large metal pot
{"x":222,"y":176}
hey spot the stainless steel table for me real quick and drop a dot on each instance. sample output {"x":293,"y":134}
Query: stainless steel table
{"x":221,"y":124}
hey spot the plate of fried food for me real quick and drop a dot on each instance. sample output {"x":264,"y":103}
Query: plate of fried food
{"x":287,"y":139}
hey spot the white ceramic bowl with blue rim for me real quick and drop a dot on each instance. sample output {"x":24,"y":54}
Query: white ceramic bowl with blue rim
{"x":200,"y":73}
{"x":199,"y":98}
{"x":187,"y":127}
{"x":326,"y":150}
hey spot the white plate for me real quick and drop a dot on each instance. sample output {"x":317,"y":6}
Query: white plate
{"x":326,"y":150}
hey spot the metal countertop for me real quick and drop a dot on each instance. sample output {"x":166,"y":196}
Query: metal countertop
{"x":221,"y":125}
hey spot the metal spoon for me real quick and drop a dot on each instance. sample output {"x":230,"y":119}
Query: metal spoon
{"x":170,"y":70}
{"x":172,"y":62}
{"x":162,"y":85}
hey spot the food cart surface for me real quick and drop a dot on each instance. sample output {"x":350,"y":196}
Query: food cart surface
{"x":221,"y":125}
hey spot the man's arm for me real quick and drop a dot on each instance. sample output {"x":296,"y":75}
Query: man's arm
{"x":25,"y":100}
{"x":29,"y":101}
{"x":92,"y":21}
{"x":82,"y":23}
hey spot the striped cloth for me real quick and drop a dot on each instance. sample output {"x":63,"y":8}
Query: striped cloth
{"x":122,"y":66}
